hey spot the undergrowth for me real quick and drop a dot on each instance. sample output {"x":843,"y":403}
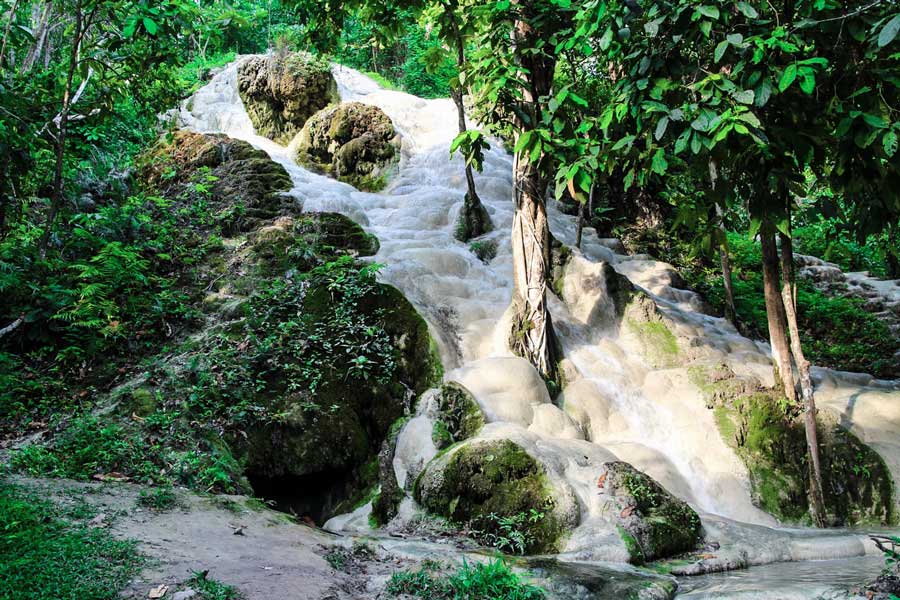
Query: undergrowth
{"x":472,"y":581}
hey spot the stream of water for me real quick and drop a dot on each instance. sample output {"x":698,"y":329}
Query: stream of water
{"x":631,"y":412}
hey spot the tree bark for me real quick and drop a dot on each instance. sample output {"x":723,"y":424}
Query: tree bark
{"x":56,"y":199}
{"x":893,"y":262}
{"x":11,"y":18}
{"x":582,"y":209}
{"x":789,"y":298}
{"x":474,"y":219}
{"x":724,"y":259}
{"x":42,"y":25}
{"x":775,"y":315}
{"x":532,"y":329}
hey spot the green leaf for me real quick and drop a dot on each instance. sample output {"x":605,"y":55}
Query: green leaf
{"x":755,"y":224}
{"x":787,"y":78}
{"x":709,"y":11}
{"x":150,"y":25}
{"x":696,"y":144}
{"x":745,"y":97}
{"x":682,"y":141}
{"x":720,"y":51}
{"x":523,"y":142}
{"x":889,"y":141}
{"x":874,"y":121}
{"x":659,"y":164}
{"x":606,"y":39}
{"x":808,"y":83}
{"x":130,"y":27}
{"x":889,"y":32}
{"x":735,"y":39}
{"x":623,"y":142}
{"x":661,"y":128}
{"x":706,"y":27}
{"x":747,"y":10}
{"x":784,"y":227}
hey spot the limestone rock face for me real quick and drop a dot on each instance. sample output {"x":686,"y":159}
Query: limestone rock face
{"x":352,"y":142}
{"x":281,"y":92}
{"x":652,"y":522}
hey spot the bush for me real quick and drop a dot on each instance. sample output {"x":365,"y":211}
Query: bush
{"x":478,"y":581}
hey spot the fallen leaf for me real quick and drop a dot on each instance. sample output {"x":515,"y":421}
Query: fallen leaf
{"x":114,"y":476}
{"x":98,"y":521}
{"x":158,"y":592}
{"x":627,"y":511}
{"x":602,"y":481}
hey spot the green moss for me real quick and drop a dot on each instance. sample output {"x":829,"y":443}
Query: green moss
{"x":491,"y":478}
{"x":659,"y":344}
{"x":635,"y":554}
{"x":772,"y":444}
{"x":459,"y":416}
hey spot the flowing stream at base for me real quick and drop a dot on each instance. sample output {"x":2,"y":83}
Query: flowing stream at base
{"x":632,"y":411}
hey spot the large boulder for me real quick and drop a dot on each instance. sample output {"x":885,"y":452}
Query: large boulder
{"x":352,"y":142}
{"x":280,"y":92}
{"x":492,"y":487}
{"x":652,"y":522}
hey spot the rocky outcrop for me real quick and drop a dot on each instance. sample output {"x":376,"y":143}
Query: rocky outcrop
{"x":487,"y":485}
{"x":240,"y":185}
{"x":652,"y":522}
{"x":458,"y":415}
{"x":281,"y":92}
{"x":352,"y":142}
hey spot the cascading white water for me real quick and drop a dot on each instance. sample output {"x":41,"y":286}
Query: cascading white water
{"x":651,"y":418}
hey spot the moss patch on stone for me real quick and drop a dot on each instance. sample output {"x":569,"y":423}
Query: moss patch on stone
{"x":483,"y":478}
{"x":770,"y":438}
{"x":643,"y":320}
{"x":459,"y":416}
{"x":652,"y":522}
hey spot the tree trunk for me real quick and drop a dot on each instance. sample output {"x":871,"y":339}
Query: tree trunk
{"x":56,"y":199}
{"x":788,"y":296}
{"x":582,"y":209}
{"x":775,"y":314}
{"x":893,"y":261}
{"x":11,"y":18}
{"x":725,"y":261}
{"x":532,"y":329}
{"x":41,"y":20}
{"x":473,"y":219}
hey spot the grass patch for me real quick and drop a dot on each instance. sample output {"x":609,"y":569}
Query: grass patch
{"x":158,"y":499}
{"x":472,"y":581}
{"x":43,"y":557}
{"x":210,"y":589}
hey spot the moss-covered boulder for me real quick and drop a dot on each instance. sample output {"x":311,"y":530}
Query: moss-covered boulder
{"x":353,"y":142}
{"x":489,"y":485}
{"x":238,"y":185}
{"x":302,"y":242}
{"x":458,"y":415}
{"x":770,"y":438}
{"x":652,"y":522}
{"x":280,"y":92}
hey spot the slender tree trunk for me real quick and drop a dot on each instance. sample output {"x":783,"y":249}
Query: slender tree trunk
{"x":893,"y":261}
{"x":775,"y":313}
{"x":474,"y":219}
{"x":10,"y":19}
{"x":532,"y":329}
{"x":788,"y":296}
{"x":56,"y":199}
{"x":724,"y":259}
{"x":583,"y":208}
{"x":42,"y":24}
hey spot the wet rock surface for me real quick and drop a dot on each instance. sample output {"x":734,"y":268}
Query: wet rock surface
{"x":280,"y":92}
{"x":352,"y":142}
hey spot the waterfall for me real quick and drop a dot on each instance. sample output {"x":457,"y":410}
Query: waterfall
{"x":649,"y":417}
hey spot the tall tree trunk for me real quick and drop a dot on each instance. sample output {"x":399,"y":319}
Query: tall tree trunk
{"x":56,"y":199}
{"x":724,"y":259}
{"x":41,"y":20}
{"x":893,"y":260}
{"x":583,"y":208}
{"x":532,"y":329}
{"x":473,"y":219}
{"x":775,"y":315}
{"x":11,"y":17}
{"x":788,"y":296}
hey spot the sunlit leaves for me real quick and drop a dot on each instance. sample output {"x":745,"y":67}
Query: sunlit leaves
{"x":889,"y":32}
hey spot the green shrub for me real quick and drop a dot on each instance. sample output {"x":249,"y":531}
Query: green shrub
{"x":472,"y":581}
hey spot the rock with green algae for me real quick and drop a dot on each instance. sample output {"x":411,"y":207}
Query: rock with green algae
{"x":643,"y":323}
{"x":479,"y":482}
{"x":282,"y":91}
{"x":353,"y":142}
{"x":770,"y":438}
{"x":240,"y":185}
{"x":652,"y":523}
{"x":458,"y":415}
